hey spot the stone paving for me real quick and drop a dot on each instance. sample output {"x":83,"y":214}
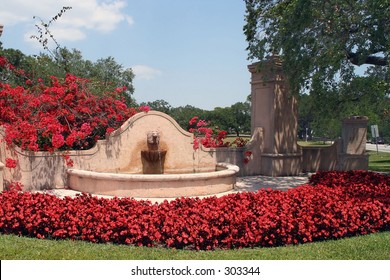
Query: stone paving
{"x":244,"y":184}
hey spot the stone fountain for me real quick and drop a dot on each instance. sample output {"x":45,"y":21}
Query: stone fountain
{"x":151,"y":156}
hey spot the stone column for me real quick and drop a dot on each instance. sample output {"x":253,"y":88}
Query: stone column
{"x":354,"y":136}
{"x":274,"y":109}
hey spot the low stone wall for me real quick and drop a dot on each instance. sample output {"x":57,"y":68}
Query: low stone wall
{"x":249,"y":165}
{"x":353,"y":162}
{"x":320,"y":158}
{"x":332,"y":158}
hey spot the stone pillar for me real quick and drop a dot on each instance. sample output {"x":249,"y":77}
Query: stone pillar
{"x":274,"y":109}
{"x":354,"y":136}
{"x":1,"y":177}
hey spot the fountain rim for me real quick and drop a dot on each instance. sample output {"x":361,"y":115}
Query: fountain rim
{"x":223,"y":169}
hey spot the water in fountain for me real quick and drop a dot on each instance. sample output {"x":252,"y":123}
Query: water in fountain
{"x":153,"y":158}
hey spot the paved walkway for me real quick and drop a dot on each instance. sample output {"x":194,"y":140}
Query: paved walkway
{"x":244,"y":184}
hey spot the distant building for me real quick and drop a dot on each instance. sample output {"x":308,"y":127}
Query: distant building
{"x":1,"y":29}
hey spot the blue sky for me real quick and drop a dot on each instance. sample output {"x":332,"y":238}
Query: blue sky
{"x":186,"y":52}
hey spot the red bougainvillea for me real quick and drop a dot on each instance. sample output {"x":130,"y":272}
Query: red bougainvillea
{"x":63,"y":115}
{"x":205,"y":135}
{"x":208,"y":137}
{"x":332,"y":205}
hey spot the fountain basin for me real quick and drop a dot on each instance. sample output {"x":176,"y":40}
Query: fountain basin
{"x":222,"y":179}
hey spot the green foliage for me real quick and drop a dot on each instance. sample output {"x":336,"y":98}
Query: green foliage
{"x":183,"y":115}
{"x":319,"y":40}
{"x":105,"y":74}
{"x":320,"y":44}
{"x":323,"y":110}
{"x":234,"y":119}
{"x":159,"y":105}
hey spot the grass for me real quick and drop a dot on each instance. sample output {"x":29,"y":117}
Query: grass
{"x":369,"y":247}
{"x":379,"y":161}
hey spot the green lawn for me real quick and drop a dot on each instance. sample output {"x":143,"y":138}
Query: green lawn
{"x":373,"y":247}
{"x":379,"y":161}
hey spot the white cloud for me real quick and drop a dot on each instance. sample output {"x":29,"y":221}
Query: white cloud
{"x":60,"y":34}
{"x":99,"y":15}
{"x":68,"y":34}
{"x":96,"y":15}
{"x":9,"y":18}
{"x":145,"y":72}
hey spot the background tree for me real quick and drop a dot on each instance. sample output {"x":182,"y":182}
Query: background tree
{"x":234,"y":119}
{"x":241,"y":112}
{"x":105,"y":75}
{"x":183,"y":114}
{"x":317,"y":39}
{"x":305,"y":117}
{"x":221,"y":118}
{"x":322,"y":44}
{"x":159,"y":105}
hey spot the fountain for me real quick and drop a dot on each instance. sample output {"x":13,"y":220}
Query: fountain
{"x":162,"y":165}
{"x":153,"y":158}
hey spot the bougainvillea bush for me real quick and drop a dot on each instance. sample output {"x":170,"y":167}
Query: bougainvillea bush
{"x":62,"y":115}
{"x":330,"y":206}
{"x":206,"y":135}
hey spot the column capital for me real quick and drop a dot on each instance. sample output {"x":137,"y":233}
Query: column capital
{"x":268,"y":70}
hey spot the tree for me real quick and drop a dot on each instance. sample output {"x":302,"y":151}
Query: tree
{"x":159,"y":105}
{"x":319,"y":40}
{"x":184,"y":114}
{"x":234,"y":119}
{"x":221,"y":118}
{"x":305,"y":116}
{"x":322,"y":112}
{"x":241,"y":117}
{"x":104,"y":75}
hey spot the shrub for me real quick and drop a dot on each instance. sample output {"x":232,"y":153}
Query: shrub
{"x":59,"y":116}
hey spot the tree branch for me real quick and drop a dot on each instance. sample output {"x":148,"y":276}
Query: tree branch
{"x":355,"y":59}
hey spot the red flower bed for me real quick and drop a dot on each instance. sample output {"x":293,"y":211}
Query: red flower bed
{"x":333,"y":205}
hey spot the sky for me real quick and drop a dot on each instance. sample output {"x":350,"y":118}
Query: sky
{"x":186,"y":52}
